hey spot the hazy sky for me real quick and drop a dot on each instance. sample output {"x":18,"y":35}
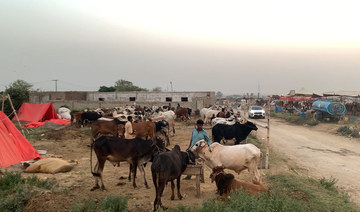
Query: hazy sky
{"x":227,"y":46}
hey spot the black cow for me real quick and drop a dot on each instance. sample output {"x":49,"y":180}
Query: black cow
{"x":168,"y":166}
{"x":135,"y":151}
{"x":237,"y":131}
{"x":88,"y":117}
{"x":189,"y":111}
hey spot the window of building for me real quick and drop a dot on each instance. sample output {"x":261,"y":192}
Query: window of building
{"x":101,"y":99}
{"x":184,"y":99}
{"x":168,"y":99}
{"x":132,"y":99}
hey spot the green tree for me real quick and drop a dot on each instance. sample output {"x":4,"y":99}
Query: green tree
{"x":219,"y":94}
{"x":107,"y":89}
{"x":19,"y":92}
{"x":124,"y":85}
{"x":157,"y":89}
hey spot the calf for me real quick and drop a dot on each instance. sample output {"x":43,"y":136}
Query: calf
{"x":225,"y":183}
{"x":237,"y":158}
{"x":182,"y":113}
{"x":168,"y":166}
{"x":134,"y":151}
{"x":238,"y":131}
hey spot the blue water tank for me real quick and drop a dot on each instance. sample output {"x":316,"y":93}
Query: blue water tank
{"x":329,"y":106}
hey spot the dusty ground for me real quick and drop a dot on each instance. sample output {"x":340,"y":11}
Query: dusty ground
{"x":313,"y":151}
{"x":319,"y":152}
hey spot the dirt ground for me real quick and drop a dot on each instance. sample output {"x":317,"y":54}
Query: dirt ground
{"x":296,"y":143}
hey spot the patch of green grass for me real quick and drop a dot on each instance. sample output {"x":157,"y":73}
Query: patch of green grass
{"x":296,"y":119}
{"x":242,"y":201}
{"x":15,"y":191}
{"x":35,"y":134}
{"x":107,"y":204}
{"x":87,"y":206}
{"x":315,"y":195}
{"x":328,"y":183}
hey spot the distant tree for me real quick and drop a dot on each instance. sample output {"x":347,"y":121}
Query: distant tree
{"x":124,"y":85}
{"x":107,"y":89}
{"x":19,"y":92}
{"x":219,"y":94}
{"x":157,"y":89}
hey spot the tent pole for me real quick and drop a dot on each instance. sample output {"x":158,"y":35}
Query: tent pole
{"x":3,"y":101}
{"x":17,"y":118}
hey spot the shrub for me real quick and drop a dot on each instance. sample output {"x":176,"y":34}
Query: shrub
{"x":349,"y":131}
{"x":15,"y":191}
{"x":114,"y":203}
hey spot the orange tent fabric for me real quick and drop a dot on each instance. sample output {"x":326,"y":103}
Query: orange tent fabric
{"x":36,"y":112}
{"x":14,"y":147}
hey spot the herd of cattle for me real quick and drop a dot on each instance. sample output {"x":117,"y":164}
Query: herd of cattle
{"x":152,"y":127}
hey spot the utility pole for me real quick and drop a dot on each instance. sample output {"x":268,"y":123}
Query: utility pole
{"x":55,"y":85}
{"x":258,"y":90}
{"x":171,"y":86}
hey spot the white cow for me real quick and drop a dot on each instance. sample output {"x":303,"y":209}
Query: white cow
{"x":209,"y":114}
{"x":169,"y":117}
{"x":237,"y":158}
{"x":228,"y":121}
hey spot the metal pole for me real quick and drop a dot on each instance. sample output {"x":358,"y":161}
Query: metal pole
{"x":17,"y":118}
{"x":268,"y":137}
{"x":55,"y":85}
{"x":3,"y":102}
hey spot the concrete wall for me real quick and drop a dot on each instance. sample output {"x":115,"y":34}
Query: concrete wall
{"x":92,"y":100}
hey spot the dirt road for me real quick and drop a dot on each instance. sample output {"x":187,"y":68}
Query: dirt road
{"x":319,"y":151}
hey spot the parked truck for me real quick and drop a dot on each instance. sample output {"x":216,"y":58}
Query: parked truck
{"x":328,"y":109}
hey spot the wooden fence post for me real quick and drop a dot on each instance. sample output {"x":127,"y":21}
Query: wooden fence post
{"x":268,"y":137}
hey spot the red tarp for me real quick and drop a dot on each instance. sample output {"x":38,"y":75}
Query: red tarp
{"x":39,"y":124}
{"x":14,"y":147}
{"x":36,"y":112}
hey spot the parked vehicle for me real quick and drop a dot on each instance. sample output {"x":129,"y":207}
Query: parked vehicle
{"x":328,"y":109}
{"x":256,"y":112}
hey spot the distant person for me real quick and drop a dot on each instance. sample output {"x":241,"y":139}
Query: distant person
{"x":198,"y":134}
{"x":178,"y":106}
{"x":129,"y":132}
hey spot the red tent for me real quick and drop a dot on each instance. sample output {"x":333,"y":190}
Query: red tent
{"x":14,"y":147}
{"x":36,"y":112}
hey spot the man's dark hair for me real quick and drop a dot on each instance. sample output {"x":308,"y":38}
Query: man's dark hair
{"x":201,"y":122}
{"x":129,"y":118}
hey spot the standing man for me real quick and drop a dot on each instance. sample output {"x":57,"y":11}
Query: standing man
{"x":198,"y":134}
{"x":129,"y":132}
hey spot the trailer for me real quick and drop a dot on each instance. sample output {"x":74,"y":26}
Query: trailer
{"x":328,"y":109}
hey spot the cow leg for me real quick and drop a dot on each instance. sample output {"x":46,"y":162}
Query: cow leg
{"x":178,"y":187}
{"x":166,"y":138}
{"x":96,"y":186}
{"x":134,"y":169}
{"x":154,"y":177}
{"x":159,"y":194}
{"x":255,"y":172}
{"x":142,"y":170}
{"x":172,"y":190}
{"x":130,"y":170}
{"x":99,"y":168}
